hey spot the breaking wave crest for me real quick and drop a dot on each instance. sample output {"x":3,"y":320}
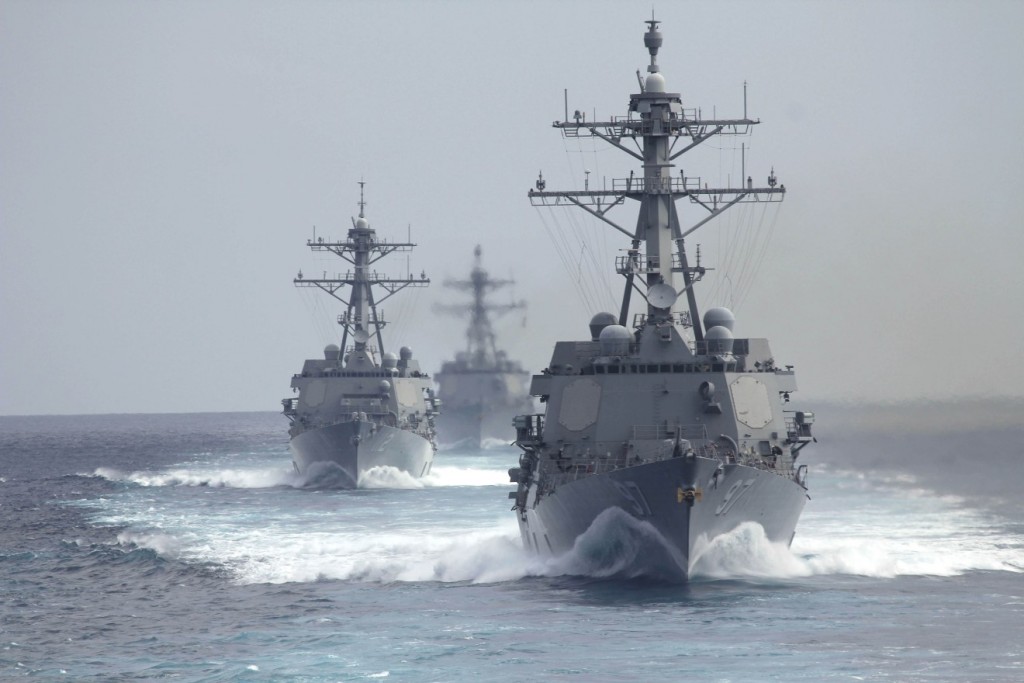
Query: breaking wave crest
{"x":473,"y":556}
{"x":453,"y":530}
{"x":747,"y":553}
{"x":255,"y":478}
{"x":163,"y":544}
{"x":384,"y":477}
{"x":258,"y":478}
{"x":617,"y":545}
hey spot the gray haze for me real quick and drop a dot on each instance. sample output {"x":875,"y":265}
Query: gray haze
{"x":162,"y":164}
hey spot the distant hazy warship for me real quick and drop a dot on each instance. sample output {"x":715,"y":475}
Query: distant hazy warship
{"x":481,"y":390}
{"x":659,"y":426}
{"x":355,"y":412}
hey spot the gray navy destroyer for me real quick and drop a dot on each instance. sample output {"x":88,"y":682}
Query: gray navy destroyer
{"x":664,"y":426}
{"x":482,"y":389}
{"x":360,"y":407}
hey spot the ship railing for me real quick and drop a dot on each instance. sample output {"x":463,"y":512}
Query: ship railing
{"x":798,"y":425}
{"x":681,"y":318}
{"x":740,"y":347}
{"x":593,"y":350}
{"x":529,"y":430}
{"x":348,"y":318}
{"x":291,"y":406}
{"x":369,"y":406}
{"x":585,"y":465}
{"x":637,"y":263}
{"x":695,"y":432}
{"x":582,"y":466}
{"x":349,"y":277}
{"x":685,"y":123}
{"x":670,"y":185}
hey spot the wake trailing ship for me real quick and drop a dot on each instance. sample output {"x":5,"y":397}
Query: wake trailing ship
{"x":482,"y":389}
{"x":367,"y":408}
{"x":663,"y":425}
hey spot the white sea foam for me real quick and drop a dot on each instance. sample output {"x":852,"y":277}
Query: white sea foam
{"x":246,"y":478}
{"x":162,"y":543}
{"x":391,"y":478}
{"x":883,"y":545}
{"x":268,"y":477}
{"x":746,"y":553}
{"x":452,"y":530}
{"x":444,"y":555}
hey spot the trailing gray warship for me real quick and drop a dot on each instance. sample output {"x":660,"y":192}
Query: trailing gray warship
{"x":662,"y":427}
{"x":363,"y":407}
{"x":481,"y":390}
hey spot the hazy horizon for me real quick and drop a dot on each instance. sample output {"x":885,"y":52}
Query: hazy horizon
{"x":162,"y":166}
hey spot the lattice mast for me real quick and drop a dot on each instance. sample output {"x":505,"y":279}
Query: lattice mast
{"x":480,"y":342}
{"x":656,"y":123}
{"x":361,"y":249}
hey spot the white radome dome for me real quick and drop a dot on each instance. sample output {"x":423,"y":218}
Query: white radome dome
{"x":655,"y":83}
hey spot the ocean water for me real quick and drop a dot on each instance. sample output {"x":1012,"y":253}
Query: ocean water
{"x":184,"y":548}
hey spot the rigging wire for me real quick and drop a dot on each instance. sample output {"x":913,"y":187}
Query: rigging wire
{"x":763,"y":252}
{"x":586,"y":259}
{"x":557,"y":237}
{"x":742,"y":250}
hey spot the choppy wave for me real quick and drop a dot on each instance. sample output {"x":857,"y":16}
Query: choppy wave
{"x":163,"y":544}
{"x":200,"y":476}
{"x":475,"y":556}
{"x":446,"y":528}
{"x":617,"y":546}
{"x":258,"y":478}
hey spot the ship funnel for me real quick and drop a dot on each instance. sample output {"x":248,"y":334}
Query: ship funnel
{"x":599,"y":322}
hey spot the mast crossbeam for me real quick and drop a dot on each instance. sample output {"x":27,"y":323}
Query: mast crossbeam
{"x":676,"y":187}
{"x":616,"y":129}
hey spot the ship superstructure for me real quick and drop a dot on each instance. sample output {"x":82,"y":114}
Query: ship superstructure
{"x":481,"y":389}
{"x":661,"y":424}
{"x":360,"y":407}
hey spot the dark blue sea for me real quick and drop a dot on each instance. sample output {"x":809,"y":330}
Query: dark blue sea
{"x":184,"y":548}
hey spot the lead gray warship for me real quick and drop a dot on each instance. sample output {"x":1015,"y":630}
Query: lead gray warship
{"x":663,"y":427}
{"x":367,"y":408}
{"x":482,"y":389}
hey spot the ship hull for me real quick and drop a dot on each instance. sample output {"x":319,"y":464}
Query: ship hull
{"x":650,"y":500}
{"x":345,"y":450}
{"x":468,"y":427}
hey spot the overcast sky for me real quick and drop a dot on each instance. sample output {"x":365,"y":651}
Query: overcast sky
{"x":162,"y":165}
